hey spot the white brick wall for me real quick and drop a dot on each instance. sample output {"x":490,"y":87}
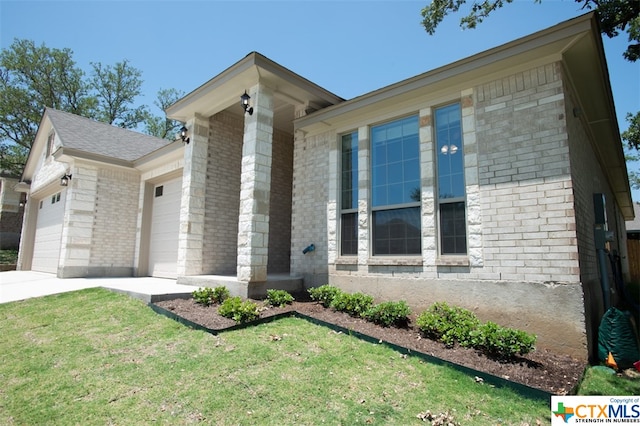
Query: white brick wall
{"x":114,"y":220}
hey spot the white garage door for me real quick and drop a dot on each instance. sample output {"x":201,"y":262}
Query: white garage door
{"x":165,"y":224}
{"x":46,"y":249}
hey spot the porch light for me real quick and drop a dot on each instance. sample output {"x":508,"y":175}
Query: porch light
{"x":183,"y":134}
{"x":244,"y":101}
{"x":64,"y":180}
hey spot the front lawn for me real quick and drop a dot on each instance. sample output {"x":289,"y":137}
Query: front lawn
{"x":96,"y":357}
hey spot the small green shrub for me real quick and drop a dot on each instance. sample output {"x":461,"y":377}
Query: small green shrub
{"x":449,"y":324}
{"x":502,"y":342}
{"x":207,"y":296}
{"x":355,"y":304}
{"x":389,"y":314}
{"x":324,"y":294}
{"x":203,"y":296}
{"x":239,"y":311}
{"x":279,"y":297}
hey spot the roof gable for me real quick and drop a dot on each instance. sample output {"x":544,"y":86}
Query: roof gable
{"x":85,"y":135}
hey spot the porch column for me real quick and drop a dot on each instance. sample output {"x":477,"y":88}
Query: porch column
{"x":255,"y":189}
{"x":191,"y":234}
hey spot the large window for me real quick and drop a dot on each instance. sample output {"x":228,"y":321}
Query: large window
{"x":450,"y":174}
{"x":395,"y":187}
{"x":349,"y":195}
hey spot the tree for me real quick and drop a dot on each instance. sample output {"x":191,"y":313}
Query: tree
{"x":614,"y":16}
{"x":116,"y":89}
{"x":163,"y":127}
{"x":34,"y":77}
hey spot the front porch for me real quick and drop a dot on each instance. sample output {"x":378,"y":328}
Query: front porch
{"x":253,"y":290}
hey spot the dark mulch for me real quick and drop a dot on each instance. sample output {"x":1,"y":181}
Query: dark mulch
{"x":541,"y":369}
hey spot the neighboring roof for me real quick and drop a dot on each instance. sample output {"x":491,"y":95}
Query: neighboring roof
{"x":634,"y":225}
{"x":89,"y":136}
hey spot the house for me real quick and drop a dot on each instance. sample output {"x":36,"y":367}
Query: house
{"x":11,"y":212}
{"x":490,"y":183}
{"x":633,"y":245}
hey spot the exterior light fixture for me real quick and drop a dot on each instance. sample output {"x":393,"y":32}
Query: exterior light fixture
{"x":183,"y":134}
{"x":244,"y":101}
{"x":64,"y":180}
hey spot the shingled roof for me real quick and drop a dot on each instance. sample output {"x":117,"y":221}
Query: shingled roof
{"x":94,"y":137}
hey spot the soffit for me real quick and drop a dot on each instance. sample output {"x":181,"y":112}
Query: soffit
{"x":223,"y":92}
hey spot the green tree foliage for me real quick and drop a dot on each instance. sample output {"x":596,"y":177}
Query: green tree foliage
{"x":163,"y":127}
{"x":614,"y":16}
{"x":34,"y":77}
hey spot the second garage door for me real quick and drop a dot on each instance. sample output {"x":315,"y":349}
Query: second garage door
{"x":165,"y":226}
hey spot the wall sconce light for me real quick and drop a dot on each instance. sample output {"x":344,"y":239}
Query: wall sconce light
{"x":23,"y":199}
{"x":64,"y":180}
{"x":244,"y":101}
{"x":183,"y":134}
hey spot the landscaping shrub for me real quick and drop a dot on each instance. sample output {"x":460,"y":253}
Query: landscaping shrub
{"x":449,"y":324}
{"x":324,"y":294}
{"x":355,"y":304}
{"x":279,"y":297}
{"x":203,"y":296}
{"x":502,"y":342}
{"x":239,"y":311}
{"x":207,"y":296}
{"x":389,"y":313}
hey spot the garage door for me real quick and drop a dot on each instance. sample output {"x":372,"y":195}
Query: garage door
{"x":46,"y":248}
{"x":165,"y":224}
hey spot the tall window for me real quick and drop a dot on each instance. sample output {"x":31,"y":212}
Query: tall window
{"x":395,"y":187}
{"x":451,"y":188}
{"x":349,"y":195}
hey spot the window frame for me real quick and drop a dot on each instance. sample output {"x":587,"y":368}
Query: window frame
{"x":373,"y":209}
{"x":351,"y":210}
{"x":439,"y":202}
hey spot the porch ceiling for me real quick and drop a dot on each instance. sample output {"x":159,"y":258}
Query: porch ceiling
{"x":223,"y":92}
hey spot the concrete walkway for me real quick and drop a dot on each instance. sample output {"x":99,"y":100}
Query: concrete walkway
{"x":19,"y":285}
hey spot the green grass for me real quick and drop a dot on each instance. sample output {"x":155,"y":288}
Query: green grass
{"x":96,"y":357}
{"x":599,"y":381}
{"x":8,"y":257}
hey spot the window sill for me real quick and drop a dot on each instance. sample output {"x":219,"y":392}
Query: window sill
{"x":396,"y":261}
{"x":352,"y":260}
{"x":452,"y":261}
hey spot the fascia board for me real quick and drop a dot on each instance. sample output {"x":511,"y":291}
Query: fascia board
{"x":542,"y":43}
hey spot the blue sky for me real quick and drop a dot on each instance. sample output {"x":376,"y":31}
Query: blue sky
{"x":347,"y":47}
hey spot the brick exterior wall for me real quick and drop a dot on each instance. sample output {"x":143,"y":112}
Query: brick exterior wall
{"x":114,"y":220}
{"x":280,"y":203}
{"x":223,"y":194}
{"x":309,"y":207}
{"x":522,"y":268}
{"x":11,"y":214}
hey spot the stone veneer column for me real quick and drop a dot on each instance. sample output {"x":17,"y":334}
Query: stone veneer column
{"x":191,"y":234}
{"x":255,"y":188}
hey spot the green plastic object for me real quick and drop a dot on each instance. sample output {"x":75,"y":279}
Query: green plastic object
{"x":616,"y":335}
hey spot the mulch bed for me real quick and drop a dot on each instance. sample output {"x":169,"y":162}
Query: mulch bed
{"x":541,"y":369}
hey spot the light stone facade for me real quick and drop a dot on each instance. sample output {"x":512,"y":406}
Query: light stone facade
{"x":522,"y":268}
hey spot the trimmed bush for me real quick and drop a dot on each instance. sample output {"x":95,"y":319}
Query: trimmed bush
{"x":389,"y":314}
{"x":448,"y":324}
{"x":355,"y":304}
{"x":279,"y":297}
{"x":502,"y":342}
{"x":324,"y":294}
{"x":238,"y":310}
{"x":207,"y":296}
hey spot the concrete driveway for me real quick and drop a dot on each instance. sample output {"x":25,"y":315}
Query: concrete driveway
{"x":19,"y":285}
